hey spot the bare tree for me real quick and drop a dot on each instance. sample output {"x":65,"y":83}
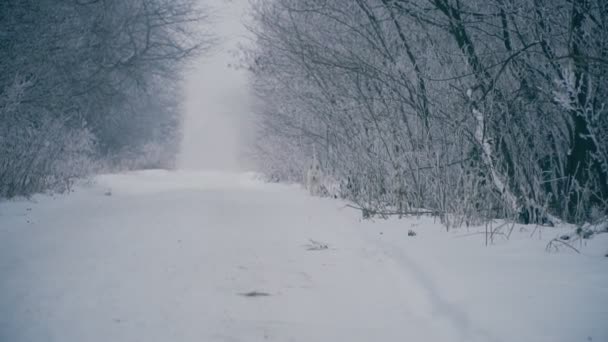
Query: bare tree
{"x":476,"y":109}
{"x":85,"y":83}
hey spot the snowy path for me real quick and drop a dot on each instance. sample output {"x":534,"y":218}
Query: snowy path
{"x":168,"y":257}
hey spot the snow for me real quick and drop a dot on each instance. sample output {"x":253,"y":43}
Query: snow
{"x":168,"y":256}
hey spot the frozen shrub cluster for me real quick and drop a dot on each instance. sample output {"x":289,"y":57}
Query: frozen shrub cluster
{"x":90,"y":84}
{"x":468,"y":109}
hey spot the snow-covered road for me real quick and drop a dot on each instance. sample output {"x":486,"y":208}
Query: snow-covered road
{"x":171,"y":256}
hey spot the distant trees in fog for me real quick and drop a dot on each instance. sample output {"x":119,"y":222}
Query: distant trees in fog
{"x":90,"y":83}
{"x":471,"y":109}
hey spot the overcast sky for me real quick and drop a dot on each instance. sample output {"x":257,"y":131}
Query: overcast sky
{"x":216,"y":129}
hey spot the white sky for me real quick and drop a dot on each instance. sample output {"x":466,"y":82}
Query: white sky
{"x":216,"y":129}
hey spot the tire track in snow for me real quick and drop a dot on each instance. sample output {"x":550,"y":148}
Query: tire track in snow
{"x":441,"y":307}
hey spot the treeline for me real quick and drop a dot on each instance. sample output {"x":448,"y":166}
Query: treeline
{"x":89,"y":85}
{"x":470,"y":109}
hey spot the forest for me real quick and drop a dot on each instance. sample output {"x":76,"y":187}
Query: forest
{"x":469,"y":110}
{"x":89,"y":86}
{"x":303,"y":170}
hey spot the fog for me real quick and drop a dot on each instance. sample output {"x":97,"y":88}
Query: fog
{"x":217,"y":101}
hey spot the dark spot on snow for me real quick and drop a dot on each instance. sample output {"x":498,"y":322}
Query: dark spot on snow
{"x":411,"y":233}
{"x":255,"y":294}
{"x":316,"y":245}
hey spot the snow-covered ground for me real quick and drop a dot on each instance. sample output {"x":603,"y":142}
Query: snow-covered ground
{"x":171,"y":256}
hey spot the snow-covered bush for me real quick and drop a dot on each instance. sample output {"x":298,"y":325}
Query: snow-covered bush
{"x":90,"y":79}
{"x":38,"y":152}
{"x":471,"y":110}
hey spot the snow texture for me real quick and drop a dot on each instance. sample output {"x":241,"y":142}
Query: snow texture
{"x":186,"y":256}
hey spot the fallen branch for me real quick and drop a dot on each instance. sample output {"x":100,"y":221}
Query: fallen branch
{"x":552,"y":243}
{"x":393,"y":213}
{"x":316,"y":245}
